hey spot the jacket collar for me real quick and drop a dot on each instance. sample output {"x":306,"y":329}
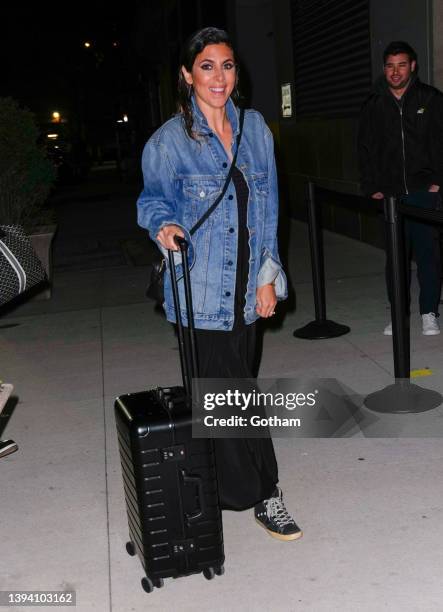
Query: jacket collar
{"x":201,"y":124}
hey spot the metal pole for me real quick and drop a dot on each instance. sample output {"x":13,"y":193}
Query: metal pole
{"x":402,"y":396}
{"x":317,"y":259}
{"x":189,"y":307}
{"x":186,"y":374}
{"x":321,"y":328}
{"x":396,"y":261}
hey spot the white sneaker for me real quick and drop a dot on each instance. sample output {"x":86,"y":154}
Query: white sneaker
{"x":430,"y":326}
{"x":388,"y":330}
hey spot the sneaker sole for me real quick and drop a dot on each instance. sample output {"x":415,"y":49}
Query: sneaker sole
{"x":8,"y":450}
{"x":425,"y":333}
{"x":280,"y":536}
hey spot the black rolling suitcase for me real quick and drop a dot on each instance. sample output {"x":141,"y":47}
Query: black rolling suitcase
{"x":169,"y":478}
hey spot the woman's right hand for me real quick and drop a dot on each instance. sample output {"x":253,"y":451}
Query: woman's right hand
{"x":166,"y":236}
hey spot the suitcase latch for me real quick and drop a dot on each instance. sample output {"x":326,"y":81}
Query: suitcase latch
{"x":173,"y":453}
{"x":183,"y":546}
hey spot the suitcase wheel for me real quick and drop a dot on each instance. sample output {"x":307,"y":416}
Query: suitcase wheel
{"x":130,"y":548}
{"x":209,"y":573}
{"x":147,"y":584}
{"x":220,"y":570}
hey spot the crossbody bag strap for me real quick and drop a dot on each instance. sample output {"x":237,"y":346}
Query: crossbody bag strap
{"x":211,"y":209}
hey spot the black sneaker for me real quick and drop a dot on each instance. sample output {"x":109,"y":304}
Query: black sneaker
{"x":7,"y":447}
{"x":273,"y":516}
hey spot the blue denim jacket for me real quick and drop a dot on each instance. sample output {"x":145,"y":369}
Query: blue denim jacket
{"x":182,"y":178}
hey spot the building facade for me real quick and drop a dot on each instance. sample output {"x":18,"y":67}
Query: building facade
{"x":320,"y":58}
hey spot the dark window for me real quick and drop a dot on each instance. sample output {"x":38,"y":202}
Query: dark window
{"x":332,"y":56}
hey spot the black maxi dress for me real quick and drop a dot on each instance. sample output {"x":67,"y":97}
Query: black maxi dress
{"x":246,"y":468}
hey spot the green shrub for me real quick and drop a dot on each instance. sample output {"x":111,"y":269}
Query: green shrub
{"x":26,"y":175}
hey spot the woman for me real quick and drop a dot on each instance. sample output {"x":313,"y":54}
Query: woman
{"x":236,"y":274}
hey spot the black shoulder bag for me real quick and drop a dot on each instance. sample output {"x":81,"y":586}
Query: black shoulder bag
{"x":155,"y":288}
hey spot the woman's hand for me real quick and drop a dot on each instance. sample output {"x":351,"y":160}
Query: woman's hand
{"x":166,"y":236}
{"x":266,"y":300}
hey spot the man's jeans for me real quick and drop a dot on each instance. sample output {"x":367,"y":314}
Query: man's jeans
{"x":423,"y":239}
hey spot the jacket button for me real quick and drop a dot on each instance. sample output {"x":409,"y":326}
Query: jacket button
{"x":228,"y":293}
{"x":202,"y":194}
{"x":225,"y":165}
{"x":230,"y":197}
{"x":230,"y":263}
{"x":231,"y":230}
{"x":210,"y":134}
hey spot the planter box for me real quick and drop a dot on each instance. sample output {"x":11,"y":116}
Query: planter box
{"x":41,"y":240}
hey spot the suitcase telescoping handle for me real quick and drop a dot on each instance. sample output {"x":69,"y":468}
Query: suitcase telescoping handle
{"x":187,"y":346}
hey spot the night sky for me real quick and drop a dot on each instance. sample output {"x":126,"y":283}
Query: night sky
{"x":47,"y":64}
{"x":49,"y":68}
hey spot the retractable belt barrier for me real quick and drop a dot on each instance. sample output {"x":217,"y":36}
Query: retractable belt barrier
{"x":402,"y":396}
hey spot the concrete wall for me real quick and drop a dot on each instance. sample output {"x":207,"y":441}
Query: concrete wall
{"x":320,"y":149}
{"x":255,"y":46}
{"x":437,"y":23}
{"x":325,"y":149}
{"x":409,"y":20}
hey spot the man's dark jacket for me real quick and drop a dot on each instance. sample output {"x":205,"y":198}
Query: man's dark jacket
{"x":401,"y":145}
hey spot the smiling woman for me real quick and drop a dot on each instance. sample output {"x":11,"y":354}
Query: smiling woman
{"x":209,"y":72}
{"x":236,"y":274}
{"x":213,"y":78}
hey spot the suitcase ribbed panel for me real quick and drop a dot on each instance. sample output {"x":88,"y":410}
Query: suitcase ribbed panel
{"x":157,"y":496}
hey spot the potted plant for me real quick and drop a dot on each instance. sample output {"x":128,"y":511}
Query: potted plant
{"x":26,"y":179}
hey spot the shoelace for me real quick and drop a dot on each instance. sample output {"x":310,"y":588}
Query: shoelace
{"x":276,"y":510}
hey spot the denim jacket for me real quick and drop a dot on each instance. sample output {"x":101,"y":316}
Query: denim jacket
{"x":182,"y":178}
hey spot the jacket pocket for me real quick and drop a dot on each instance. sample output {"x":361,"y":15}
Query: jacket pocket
{"x":261,"y":184}
{"x":199,"y":195}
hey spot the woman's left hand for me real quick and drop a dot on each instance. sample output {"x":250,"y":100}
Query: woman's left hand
{"x":266,"y":301}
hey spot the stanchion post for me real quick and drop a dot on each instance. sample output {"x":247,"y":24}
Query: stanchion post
{"x":397,"y":275}
{"x":402,"y":396}
{"x":317,"y":258}
{"x":321,"y":328}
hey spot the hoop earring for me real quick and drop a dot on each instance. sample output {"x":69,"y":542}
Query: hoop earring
{"x":190,"y":89}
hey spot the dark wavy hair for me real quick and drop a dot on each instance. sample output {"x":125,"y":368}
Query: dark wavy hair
{"x":399,"y":46}
{"x":193,"y":46}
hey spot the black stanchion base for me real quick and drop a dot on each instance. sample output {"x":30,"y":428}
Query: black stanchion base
{"x":321,"y":330}
{"x":403,"y":397}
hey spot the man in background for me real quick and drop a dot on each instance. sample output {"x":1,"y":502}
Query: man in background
{"x":401,"y":154}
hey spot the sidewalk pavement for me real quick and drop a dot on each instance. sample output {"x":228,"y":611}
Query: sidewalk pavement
{"x":370,"y":507}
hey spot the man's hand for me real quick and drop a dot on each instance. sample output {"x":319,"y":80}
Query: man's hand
{"x":266,"y":300}
{"x":378,"y":195}
{"x":434,"y":188}
{"x":166,"y":236}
